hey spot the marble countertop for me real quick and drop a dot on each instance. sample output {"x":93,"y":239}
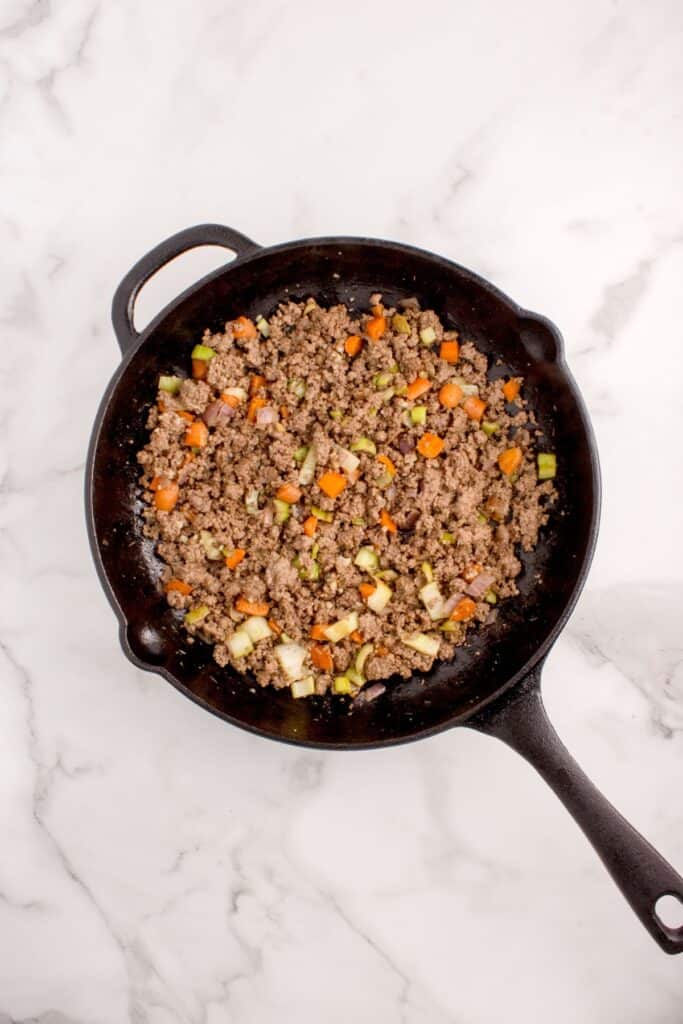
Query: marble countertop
{"x":158,"y":866}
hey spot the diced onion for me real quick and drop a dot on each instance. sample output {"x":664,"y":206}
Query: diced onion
{"x":348,"y":461}
{"x":212,"y":550}
{"x":257,"y":628}
{"x":367,"y":559}
{"x":303,"y":688}
{"x":380,"y":597}
{"x":291,"y":657}
{"x":307,"y":471}
{"x":239,"y":643}
{"x":342,"y":628}
{"x":196,"y":615}
{"x":423,"y":643}
{"x":432,"y":599}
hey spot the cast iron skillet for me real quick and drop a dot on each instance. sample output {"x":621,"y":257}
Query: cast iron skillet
{"x":493,"y":684}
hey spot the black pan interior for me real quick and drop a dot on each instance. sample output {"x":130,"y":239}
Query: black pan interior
{"x":345,"y":271}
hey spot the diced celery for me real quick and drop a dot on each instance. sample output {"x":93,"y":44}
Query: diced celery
{"x":400,"y":324}
{"x":239,"y":643}
{"x":212,"y":550}
{"x":170,"y":384}
{"x":307,"y":471}
{"x":491,"y":597}
{"x":300,"y":453}
{"x":196,"y":615}
{"x":393,"y":368}
{"x":283,"y":510}
{"x":427,"y":571}
{"x":481,"y":518}
{"x":384,"y":479}
{"x":311,"y":304}
{"x":297,"y":387}
{"x":547,"y":465}
{"x":291,"y":657}
{"x":321,"y":514}
{"x":367,"y":559}
{"x":303,"y":688}
{"x":489,"y":427}
{"x":418,"y":415}
{"x":203,"y":352}
{"x":336,"y":414}
{"x":432,"y":599}
{"x":257,"y":628}
{"x":382,"y":380}
{"x":362,"y":656}
{"x":342,"y":684}
{"x":342,"y":628}
{"x":251,"y":501}
{"x":262,"y":326}
{"x":364,"y":444}
{"x":347,"y":460}
{"x":357,"y":521}
{"x":314,"y":572}
{"x":427,"y":335}
{"x":388,"y":575}
{"x":380,"y":597}
{"x":423,"y":643}
{"x":447,"y":537}
{"x":355,"y":677}
{"x":399,"y":392}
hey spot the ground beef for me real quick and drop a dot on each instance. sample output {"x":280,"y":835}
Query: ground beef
{"x":297,"y":384}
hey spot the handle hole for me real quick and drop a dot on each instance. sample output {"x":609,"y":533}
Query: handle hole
{"x":669,"y":911}
{"x":173,"y":278}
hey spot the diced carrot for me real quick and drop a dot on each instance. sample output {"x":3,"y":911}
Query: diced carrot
{"x":353,"y":345}
{"x":157,"y":482}
{"x":450,"y":395}
{"x":318,"y":632}
{"x":256,"y":384}
{"x":321,"y":658}
{"x":471,"y":572}
{"x":511,"y":388}
{"x":231,"y":400}
{"x":247,"y":607}
{"x":179,"y":585}
{"x":185,"y":415}
{"x":377,"y":310}
{"x":387,"y":522}
{"x":244,"y":328}
{"x":510,"y":460}
{"x":356,"y":636}
{"x":189,"y":456}
{"x":234,"y":558}
{"x":200,"y":368}
{"x":284,"y":412}
{"x":375,"y":328}
{"x":387,"y":463}
{"x":382,"y":651}
{"x":255,"y":404}
{"x":430,"y":445}
{"x":464,"y":610}
{"x":161,"y":405}
{"x":450,"y":351}
{"x":166,"y":496}
{"x":332,"y":484}
{"x":289,"y":493}
{"x":310,"y":526}
{"x":197,"y":434}
{"x":275,"y":627}
{"x":417,"y":388}
{"x":474,"y":407}
{"x":366,"y":590}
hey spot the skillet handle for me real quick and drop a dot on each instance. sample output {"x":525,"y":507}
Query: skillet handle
{"x":126,"y":293}
{"x":640,"y":872}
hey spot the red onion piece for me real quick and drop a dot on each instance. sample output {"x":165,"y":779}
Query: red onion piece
{"x":480,"y":584}
{"x":266,"y":415}
{"x":370,"y":693}
{"x":217,"y":413}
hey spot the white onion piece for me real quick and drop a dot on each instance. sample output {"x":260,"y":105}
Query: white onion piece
{"x":266,"y":415}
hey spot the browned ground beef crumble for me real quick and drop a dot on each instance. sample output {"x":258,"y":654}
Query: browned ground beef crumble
{"x":458,"y":512}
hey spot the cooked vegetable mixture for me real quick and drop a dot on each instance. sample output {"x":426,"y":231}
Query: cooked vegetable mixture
{"x":339,"y":497}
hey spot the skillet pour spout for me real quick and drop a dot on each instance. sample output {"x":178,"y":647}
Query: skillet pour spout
{"x":493,"y":684}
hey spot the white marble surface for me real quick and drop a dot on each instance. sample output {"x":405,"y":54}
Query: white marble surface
{"x":157,"y":866}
